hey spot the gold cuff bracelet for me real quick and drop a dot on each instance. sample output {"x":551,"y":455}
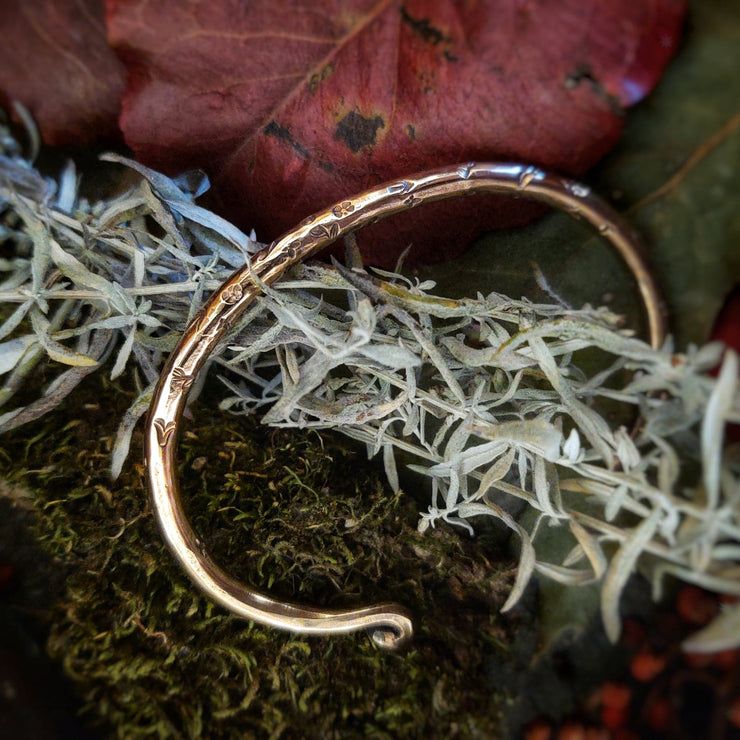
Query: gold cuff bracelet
{"x":389,"y":624}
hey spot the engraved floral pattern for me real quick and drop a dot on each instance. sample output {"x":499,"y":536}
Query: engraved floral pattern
{"x":343,"y":209}
{"x":232,"y":294}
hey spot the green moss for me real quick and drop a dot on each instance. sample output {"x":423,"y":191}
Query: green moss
{"x":300,"y":515}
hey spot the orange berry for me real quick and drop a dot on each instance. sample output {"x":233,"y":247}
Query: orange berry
{"x":572,"y":731}
{"x":616,"y":695}
{"x":645,"y":665}
{"x":538,"y":729}
{"x":696,"y":606}
{"x":613,"y":717}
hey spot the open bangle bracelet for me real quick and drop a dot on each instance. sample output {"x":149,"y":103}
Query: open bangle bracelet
{"x":389,"y":624}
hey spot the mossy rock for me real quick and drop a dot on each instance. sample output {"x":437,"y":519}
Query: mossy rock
{"x":299,"y":515}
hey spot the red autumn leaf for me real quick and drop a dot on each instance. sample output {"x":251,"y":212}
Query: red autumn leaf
{"x":55,"y":60}
{"x":292,"y":106}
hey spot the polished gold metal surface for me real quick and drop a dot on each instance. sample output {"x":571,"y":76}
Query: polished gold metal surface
{"x":389,"y":624}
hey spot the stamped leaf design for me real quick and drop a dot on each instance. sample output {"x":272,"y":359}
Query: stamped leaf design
{"x":322,"y":231}
{"x":181,"y":381}
{"x":164,"y":431}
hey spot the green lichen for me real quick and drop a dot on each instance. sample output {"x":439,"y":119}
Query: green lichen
{"x":299,"y":515}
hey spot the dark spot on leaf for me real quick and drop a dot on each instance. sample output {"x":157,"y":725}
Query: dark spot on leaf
{"x":424,"y":28}
{"x":326,"y":166}
{"x":411,"y":131}
{"x":429,"y":33}
{"x":357,"y":131}
{"x":283,"y":132}
{"x":583,"y":73}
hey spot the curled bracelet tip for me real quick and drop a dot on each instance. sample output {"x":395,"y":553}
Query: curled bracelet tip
{"x":393,"y":629}
{"x":389,"y":639}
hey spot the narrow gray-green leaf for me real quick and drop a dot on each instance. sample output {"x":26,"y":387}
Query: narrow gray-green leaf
{"x":122,"y":442}
{"x":620,"y":569}
{"x":712,"y":428}
{"x":12,"y":351}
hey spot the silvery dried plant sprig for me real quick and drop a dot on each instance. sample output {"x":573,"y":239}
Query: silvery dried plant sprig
{"x":484,"y":394}
{"x":89,"y":280}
